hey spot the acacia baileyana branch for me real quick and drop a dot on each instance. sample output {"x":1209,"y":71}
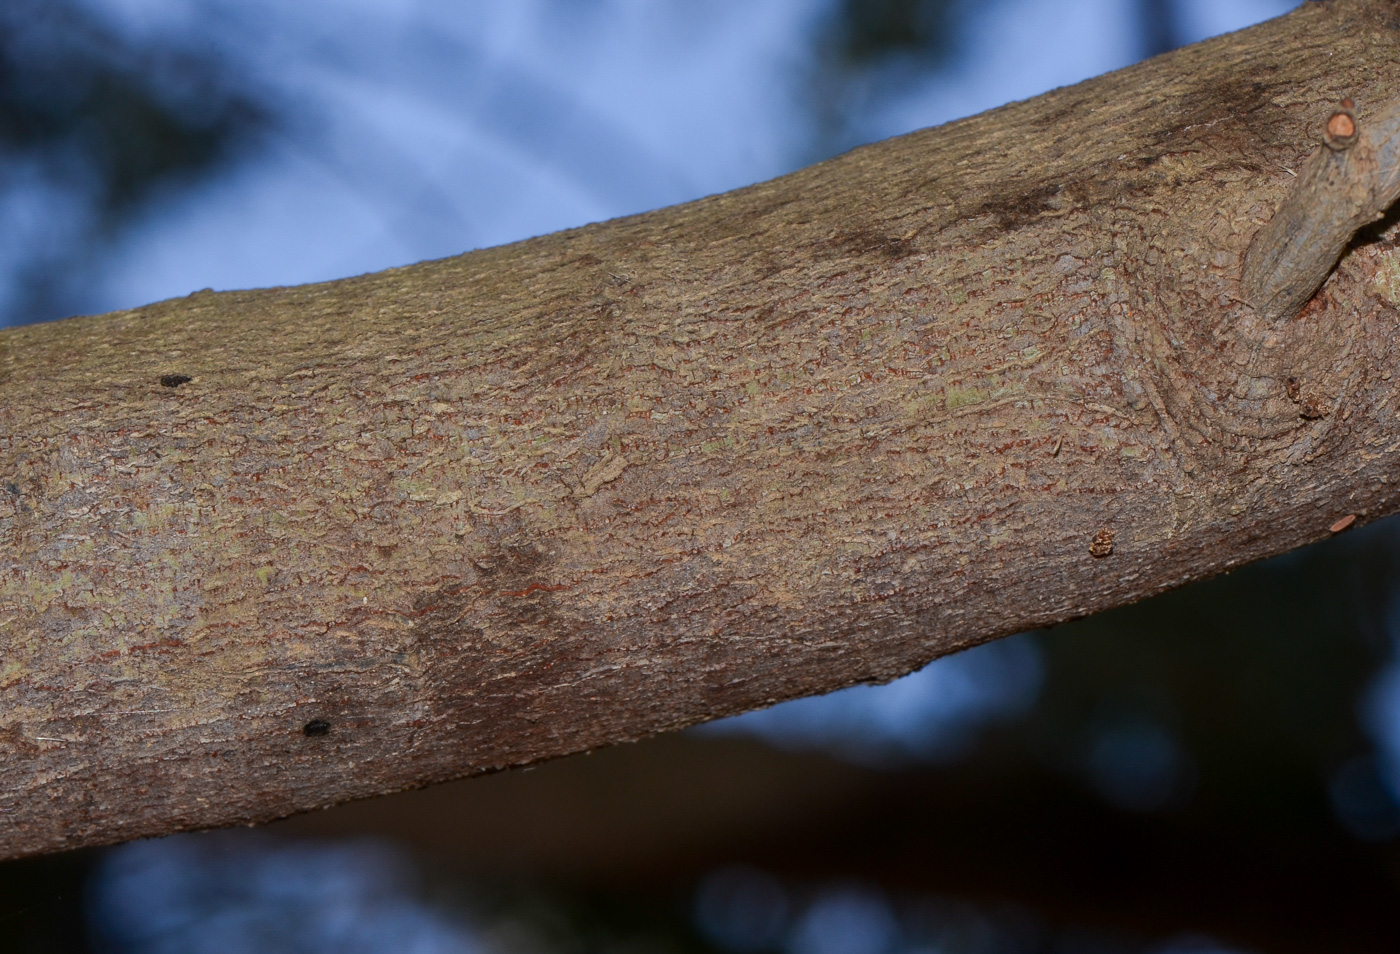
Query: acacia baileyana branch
{"x":1348,"y":183}
{"x":265,"y":551}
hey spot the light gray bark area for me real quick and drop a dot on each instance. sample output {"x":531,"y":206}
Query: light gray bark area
{"x":541,"y":498}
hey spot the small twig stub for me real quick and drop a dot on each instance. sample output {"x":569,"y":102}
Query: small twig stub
{"x":1341,"y":129}
{"x":1346,"y":184}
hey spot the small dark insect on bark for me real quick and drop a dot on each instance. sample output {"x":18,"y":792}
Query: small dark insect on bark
{"x":174,"y":380}
{"x":316,"y":727}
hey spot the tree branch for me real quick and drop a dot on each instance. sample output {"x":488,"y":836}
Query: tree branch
{"x":1348,"y":183}
{"x":272,"y":550}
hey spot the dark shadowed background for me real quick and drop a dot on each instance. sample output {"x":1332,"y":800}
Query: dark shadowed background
{"x":1214,"y":770}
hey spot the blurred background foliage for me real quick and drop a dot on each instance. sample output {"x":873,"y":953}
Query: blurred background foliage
{"x":1214,"y":769}
{"x":91,"y":129}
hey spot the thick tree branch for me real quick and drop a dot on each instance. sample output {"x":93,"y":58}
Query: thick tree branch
{"x":271,"y":550}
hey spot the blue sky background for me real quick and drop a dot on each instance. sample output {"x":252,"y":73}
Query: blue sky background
{"x":417,"y":129}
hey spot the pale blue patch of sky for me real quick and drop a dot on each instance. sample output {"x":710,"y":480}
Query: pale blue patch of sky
{"x":931,"y":715}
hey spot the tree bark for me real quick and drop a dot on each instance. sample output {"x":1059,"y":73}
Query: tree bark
{"x":266,"y":551}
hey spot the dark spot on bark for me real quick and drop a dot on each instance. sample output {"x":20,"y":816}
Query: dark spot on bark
{"x":14,"y":740}
{"x":1222,"y":124}
{"x":509,"y":585}
{"x":1015,"y":210}
{"x":868,"y":243}
{"x":1062,"y":109}
{"x":1228,"y":118}
{"x":500,"y":635}
{"x":13,"y":489}
{"x":174,"y":380}
{"x":509,"y":562}
{"x":316,"y":727}
{"x":765,"y":263}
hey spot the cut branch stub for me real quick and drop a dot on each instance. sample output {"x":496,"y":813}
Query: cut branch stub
{"x":1347,"y":184}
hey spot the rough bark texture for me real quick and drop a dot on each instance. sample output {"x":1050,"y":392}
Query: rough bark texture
{"x":489,"y":510}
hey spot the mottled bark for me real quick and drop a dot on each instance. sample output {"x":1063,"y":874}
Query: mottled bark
{"x":270,"y":550}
